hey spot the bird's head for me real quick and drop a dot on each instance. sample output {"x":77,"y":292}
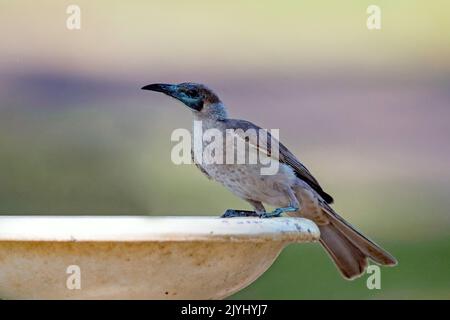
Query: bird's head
{"x":199,"y":98}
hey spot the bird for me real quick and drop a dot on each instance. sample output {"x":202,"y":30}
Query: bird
{"x":292,"y":190}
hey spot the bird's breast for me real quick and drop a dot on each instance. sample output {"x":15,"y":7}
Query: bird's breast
{"x":246,"y":181}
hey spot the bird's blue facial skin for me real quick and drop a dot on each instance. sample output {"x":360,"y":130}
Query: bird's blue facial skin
{"x":193,"y":103}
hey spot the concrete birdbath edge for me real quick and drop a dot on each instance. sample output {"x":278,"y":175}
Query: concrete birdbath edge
{"x":139,"y":257}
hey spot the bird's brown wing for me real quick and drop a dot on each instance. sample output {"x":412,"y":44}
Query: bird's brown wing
{"x":285,"y":156}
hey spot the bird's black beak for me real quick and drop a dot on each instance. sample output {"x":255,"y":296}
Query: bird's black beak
{"x":173,"y":90}
{"x":168,"y":89}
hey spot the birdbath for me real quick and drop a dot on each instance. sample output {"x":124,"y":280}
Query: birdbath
{"x":139,"y":257}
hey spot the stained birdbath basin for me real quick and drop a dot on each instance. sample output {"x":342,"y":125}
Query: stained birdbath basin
{"x":123,"y":257}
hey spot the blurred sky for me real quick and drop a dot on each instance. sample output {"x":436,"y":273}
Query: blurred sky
{"x":367,"y":111}
{"x":125,"y":40}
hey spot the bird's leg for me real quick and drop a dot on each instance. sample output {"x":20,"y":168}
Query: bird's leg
{"x":258,"y":206}
{"x":259,"y":210}
{"x":294,"y":206}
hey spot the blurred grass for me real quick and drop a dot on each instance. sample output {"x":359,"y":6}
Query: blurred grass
{"x":305,"y":272}
{"x":106,"y":160}
{"x":86,"y":161}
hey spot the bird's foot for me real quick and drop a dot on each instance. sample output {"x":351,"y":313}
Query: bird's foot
{"x":278,"y":212}
{"x":231,"y":213}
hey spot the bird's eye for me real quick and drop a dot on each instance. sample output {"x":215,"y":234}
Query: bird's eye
{"x":192,"y":93}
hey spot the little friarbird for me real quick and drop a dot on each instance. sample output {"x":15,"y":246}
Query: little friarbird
{"x":292,"y":190}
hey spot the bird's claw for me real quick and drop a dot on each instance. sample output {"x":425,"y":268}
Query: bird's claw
{"x":274,"y":214}
{"x":278,"y":212}
{"x":231,"y":213}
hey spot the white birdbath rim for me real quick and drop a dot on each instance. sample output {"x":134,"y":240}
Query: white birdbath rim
{"x":155,"y":228}
{"x":140,"y":257}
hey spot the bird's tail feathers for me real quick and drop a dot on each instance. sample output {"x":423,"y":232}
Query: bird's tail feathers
{"x":350,"y":261}
{"x":350,"y":249}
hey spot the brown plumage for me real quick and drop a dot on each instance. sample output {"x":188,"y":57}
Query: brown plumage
{"x":347,"y":247}
{"x":292,"y":189}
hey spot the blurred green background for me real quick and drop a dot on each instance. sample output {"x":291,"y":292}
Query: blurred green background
{"x":367,"y":111}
